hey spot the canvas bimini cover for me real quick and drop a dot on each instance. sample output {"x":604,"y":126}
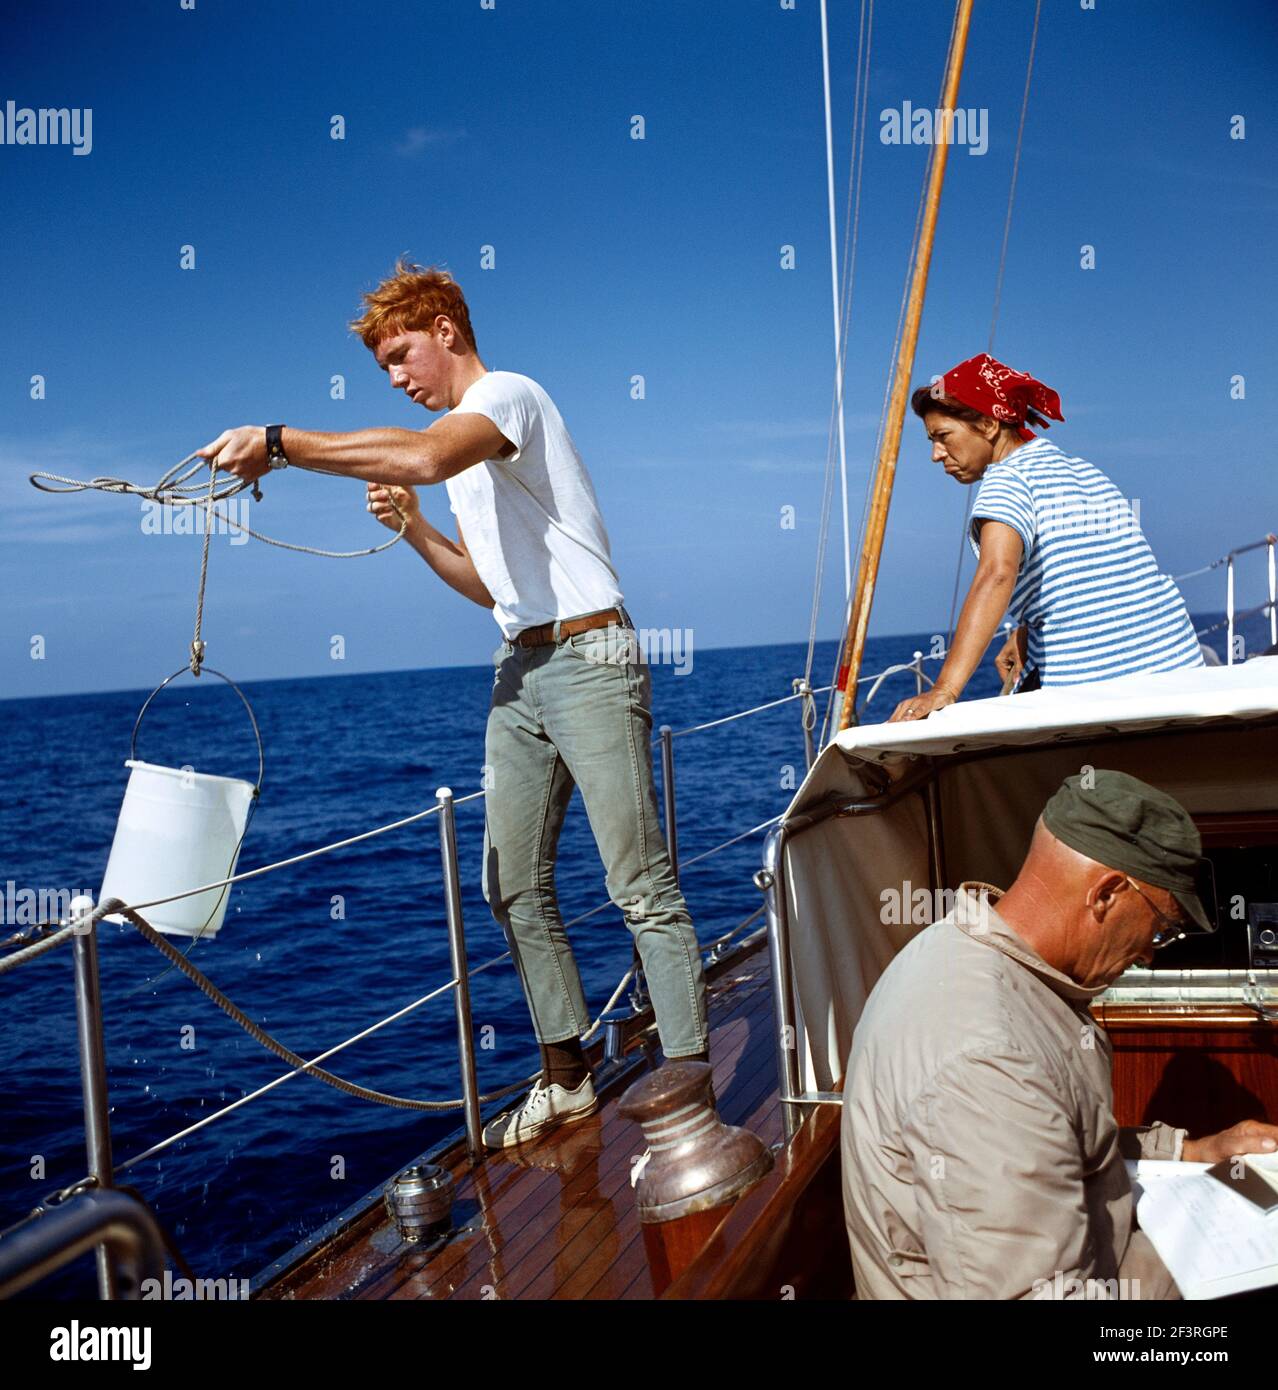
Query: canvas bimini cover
{"x":858,"y":885}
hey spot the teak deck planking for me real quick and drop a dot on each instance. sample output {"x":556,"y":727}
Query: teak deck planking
{"x":556,"y":1218}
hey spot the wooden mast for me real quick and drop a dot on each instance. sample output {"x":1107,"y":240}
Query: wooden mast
{"x":885,"y":474}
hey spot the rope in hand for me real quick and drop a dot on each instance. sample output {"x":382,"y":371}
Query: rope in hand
{"x":197,"y":642}
{"x":173,"y":490}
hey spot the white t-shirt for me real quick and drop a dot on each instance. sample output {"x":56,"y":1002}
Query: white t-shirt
{"x":531,"y":521}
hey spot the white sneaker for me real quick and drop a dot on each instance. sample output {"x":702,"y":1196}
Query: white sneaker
{"x":546,"y":1108}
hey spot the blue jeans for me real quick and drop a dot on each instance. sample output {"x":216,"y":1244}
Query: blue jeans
{"x":578,"y":712}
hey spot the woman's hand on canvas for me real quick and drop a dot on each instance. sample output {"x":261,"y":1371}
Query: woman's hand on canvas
{"x":920,"y":706}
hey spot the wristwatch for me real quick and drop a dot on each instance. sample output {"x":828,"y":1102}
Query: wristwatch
{"x":275,"y":447}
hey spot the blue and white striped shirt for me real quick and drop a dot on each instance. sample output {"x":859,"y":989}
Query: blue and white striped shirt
{"x":1089,"y":587}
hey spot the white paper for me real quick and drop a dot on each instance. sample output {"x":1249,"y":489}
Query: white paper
{"x":1266,"y":1165}
{"x":1213,"y":1241}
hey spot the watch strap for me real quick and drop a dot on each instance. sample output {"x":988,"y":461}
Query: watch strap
{"x":275,"y":457}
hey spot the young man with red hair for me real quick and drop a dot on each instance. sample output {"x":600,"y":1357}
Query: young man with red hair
{"x":571,"y":703}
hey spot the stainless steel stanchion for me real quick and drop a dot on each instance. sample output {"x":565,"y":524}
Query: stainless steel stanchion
{"x":93,"y":1082}
{"x":457,"y":957}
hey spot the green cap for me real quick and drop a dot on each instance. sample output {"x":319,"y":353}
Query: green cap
{"x":1128,"y":825}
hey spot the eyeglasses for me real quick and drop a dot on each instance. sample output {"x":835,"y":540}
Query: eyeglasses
{"x":1169,"y":931}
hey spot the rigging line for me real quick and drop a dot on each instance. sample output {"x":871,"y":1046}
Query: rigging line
{"x":933,"y":154}
{"x":367,"y":1032}
{"x":736,"y":839}
{"x":833,"y":687}
{"x":17,"y":958}
{"x":1016,"y":164}
{"x":745,"y":922}
{"x":272,"y":1044}
{"x":197,"y":643}
{"x":851,"y":224}
{"x":834,"y":293}
{"x":740,"y":714}
{"x":861,"y":98}
{"x":856,"y":166}
{"x":998,"y":299}
{"x":851,"y":230}
{"x":823,"y":540}
{"x":199,"y":935}
{"x":863,"y":88}
{"x":854,"y":200}
{"x":1193,"y":574}
{"x":307,"y":854}
{"x":878,"y":440}
{"x":271,"y":1085}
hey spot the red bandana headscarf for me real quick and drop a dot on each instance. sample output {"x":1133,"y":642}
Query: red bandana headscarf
{"x":1000,"y":391}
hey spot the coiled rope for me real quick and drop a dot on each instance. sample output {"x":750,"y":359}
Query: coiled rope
{"x":175,"y":489}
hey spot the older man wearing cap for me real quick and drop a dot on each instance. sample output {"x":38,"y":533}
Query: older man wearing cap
{"x":981,"y":1157}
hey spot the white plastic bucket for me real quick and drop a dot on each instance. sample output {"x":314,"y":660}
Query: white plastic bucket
{"x":177,"y":829}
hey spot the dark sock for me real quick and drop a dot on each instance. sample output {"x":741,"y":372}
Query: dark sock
{"x":701,"y":1057}
{"x":563,"y":1064}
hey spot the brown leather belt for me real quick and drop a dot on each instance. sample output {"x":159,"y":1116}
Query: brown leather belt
{"x":568,"y":627}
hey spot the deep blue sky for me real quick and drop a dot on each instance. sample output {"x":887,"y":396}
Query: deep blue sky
{"x":511,"y":127}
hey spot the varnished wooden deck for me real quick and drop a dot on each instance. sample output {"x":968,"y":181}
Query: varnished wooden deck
{"x":555,"y":1218}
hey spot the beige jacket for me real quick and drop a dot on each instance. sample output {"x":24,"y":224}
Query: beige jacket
{"x":981,"y":1157}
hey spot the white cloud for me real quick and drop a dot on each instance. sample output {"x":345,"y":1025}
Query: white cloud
{"x":418,"y":138}
{"x":29,"y":514}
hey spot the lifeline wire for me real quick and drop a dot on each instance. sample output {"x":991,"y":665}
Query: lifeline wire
{"x":206,"y":985}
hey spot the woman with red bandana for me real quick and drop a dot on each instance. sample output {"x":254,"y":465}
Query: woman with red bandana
{"x":1058,"y":547}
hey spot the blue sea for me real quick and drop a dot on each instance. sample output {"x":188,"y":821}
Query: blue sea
{"x":343,"y":754}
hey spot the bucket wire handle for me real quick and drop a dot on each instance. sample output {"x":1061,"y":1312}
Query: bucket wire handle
{"x":257,"y":733}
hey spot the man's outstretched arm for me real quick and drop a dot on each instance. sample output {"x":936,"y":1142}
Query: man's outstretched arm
{"x":387,"y":455}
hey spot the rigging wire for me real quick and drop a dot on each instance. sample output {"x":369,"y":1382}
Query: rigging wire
{"x":835,"y":287}
{"x":887,"y":392}
{"x":878,"y":440}
{"x":1016,"y":165}
{"x":998,"y":298}
{"x":851,"y":236}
